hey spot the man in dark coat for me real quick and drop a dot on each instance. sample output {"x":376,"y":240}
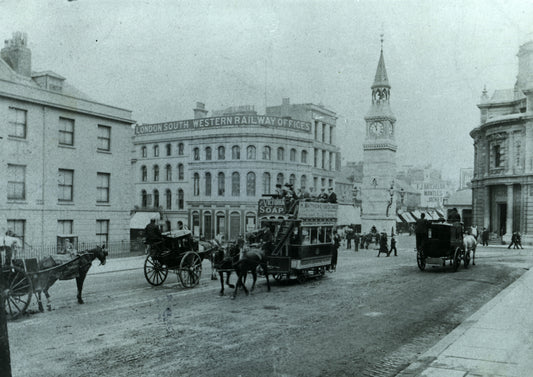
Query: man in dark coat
{"x":332,"y":197}
{"x":454,"y":216}
{"x":421,"y":230}
{"x":152,"y":234}
{"x":485,"y":237}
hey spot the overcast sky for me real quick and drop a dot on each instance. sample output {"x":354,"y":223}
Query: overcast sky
{"x":159,"y":57}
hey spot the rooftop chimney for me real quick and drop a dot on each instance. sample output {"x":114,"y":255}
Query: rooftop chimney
{"x":200,"y":111}
{"x":17,"y":54}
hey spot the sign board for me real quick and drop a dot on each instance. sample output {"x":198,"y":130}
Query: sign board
{"x":317,"y":210}
{"x":271,"y":207}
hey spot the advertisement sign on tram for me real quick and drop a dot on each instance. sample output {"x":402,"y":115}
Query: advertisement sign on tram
{"x":271,"y":207}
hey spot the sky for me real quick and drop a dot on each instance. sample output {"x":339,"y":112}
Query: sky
{"x":159,"y":57}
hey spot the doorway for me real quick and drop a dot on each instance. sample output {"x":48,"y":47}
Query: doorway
{"x":502,"y":219}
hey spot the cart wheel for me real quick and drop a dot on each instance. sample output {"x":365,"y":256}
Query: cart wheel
{"x":457,"y":259}
{"x":190,"y":269}
{"x":421,"y":259}
{"x":466,"y":259}
{"x":278,"y":277}
{"x":154,"y":272}
{"x":18,"y":292}
{"x":301,"y":277}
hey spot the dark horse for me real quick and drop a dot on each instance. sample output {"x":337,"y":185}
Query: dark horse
{"x":51,"y":270}
{"x":225,"y":259}
{"x":249,"y":261}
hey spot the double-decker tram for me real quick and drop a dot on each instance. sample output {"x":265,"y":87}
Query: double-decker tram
{"x":302,"y":237}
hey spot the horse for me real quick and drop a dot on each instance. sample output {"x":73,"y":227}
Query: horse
{"x":11,"y":245}
{"x":470,"y":243}
{"x":249,"y":261}
{"x":473,"y":231}
{"x":75,"y":268}
{"x":224,"y":260}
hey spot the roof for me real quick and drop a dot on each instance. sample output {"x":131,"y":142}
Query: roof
{"x":141,"y":219}
{"x":460,"y":198}
{"x":348,"y":215}
{"x":381,"y":79}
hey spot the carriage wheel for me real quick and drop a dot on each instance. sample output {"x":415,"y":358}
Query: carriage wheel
{"x":466,"y":259}
{"x":154,"y":272}
{"x":190,"y":269}
{"x":18,"y":292}
{"x":457,"y":259}
{"x":301,"y":277}
{"x":421,"y":259}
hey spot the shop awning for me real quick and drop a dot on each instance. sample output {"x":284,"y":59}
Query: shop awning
{"x":348,"y":215}
{"x":407,"y":217}
{"x":141,"y":219}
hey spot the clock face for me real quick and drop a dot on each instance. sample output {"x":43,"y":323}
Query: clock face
{"x":377,"y":129}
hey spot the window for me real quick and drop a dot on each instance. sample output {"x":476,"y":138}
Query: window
{"x":207,"y":184}
{"x":235,"y":184}
{"x":144,"y":173}
{"x":331,"y":134}
{"x":169,"y":149}
{"x":102,"y":187}
{"x":236,"y":152}
{"x":221,"y":184}
{"x":143,"y":151}
{"x":17,"y":227}
{"x":65,"y":181}
{"x":168,"y":198}
{"x":330,"y":162}
{"x":303,"y":181}
{"x":196,"y":154}
{"x":156,"y":173}
{"x":156,"y":150}
{"x":266,"y":152}
{"x":266,"y":183}
{"x":168,"y":171}
{"x":65,"y":226}
{"x":180,"y":172}
{"x":144,"y":199}
{"x":180,"y":149}
{"x":17,"y":122}
{"x":16,"y":182}
{"x":66,"y":131}
{"x":250,"y":184}
{"x":196,"y":184}
{"x":323,"y":132}
{"x":316,"y":129}
{"x":181,"y":199}
{"x":292,"y":156}
{"x":292,"y":180}
{"x":281,"y":154}
{"x":303,"y":157}
{"x":221,"y":153}
{"x":156,"y":198}
{"x":104,"y":139}
{"x":315,"y":162}
{"x":279,"y":179}
{"x":497,"y":156}
{"x":208,"y":153}
{"x":102,"y":232}
{"x":323,"y":159}
{"x":250,"y":152}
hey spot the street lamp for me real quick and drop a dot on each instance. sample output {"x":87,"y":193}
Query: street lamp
{"x":391,"y":193}
{"x":402,"y":194}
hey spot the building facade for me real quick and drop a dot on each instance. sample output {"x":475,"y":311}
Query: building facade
{"x":210,"y":172}
{"x":65,"y":156}
{"x":502,"y":185}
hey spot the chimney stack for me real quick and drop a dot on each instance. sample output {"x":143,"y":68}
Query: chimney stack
{"x":17,"y":54}
{"x":200,"y":111}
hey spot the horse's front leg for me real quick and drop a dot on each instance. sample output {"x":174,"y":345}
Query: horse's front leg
{"x":473,"y":256}
{"x":221,"y":274}
{"x":79,"y":282}
{"x":39,"y":301}
{"x":227,"y":280}
{"x":48,"y":303}
{"x":254,"y":275}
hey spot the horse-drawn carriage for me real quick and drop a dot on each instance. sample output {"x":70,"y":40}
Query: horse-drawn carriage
{"x":444,"y":243}
{"x":177,"y":251}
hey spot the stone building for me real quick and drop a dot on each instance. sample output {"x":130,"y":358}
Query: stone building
{"x":210,"y":172}
{"x":502,"y":184}
{"x":66,"y":157}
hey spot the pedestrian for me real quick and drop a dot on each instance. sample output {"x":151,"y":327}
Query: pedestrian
{"x":485,"y":237}
{"x":518,"y":241}
{"x":349,"y":237}
{"x":356,"y":241}
{"x":335,"y":254}
{"x":421,"y":231}
{"x":513,"y":241}
{"x":383,"y":248}
{"x":393,"y":246}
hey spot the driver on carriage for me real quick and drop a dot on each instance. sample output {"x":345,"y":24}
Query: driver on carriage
{"x":152,"y":234}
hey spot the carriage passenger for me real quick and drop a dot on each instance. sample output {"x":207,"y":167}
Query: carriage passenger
{"x":152,"y":234}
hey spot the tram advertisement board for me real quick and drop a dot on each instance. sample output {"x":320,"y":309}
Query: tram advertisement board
{"x":269,"y":207}
{"x":317,"y":210}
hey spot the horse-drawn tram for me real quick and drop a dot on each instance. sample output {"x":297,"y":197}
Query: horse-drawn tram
{"x":302,"y":237}
{"x":444,"y":243}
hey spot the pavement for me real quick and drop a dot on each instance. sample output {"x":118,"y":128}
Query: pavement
{"x":496,"y":341}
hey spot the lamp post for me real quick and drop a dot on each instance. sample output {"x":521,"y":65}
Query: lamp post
{"x":402,"y":194}
{"x":391,"y":193}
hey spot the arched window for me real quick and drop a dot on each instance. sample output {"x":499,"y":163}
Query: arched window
{"x":169,"y":149}
{"x":156,"y":173}
{"x":266,"y":183}
{"x":180,"y":172}
{"x":144,"y":199}
{"x":250,"y":152}
{"x":196,"y":154}
{"x":180,"y":149}
{"x":196,"y":184}
{"x":168,"y":198}
{"x":156,"y":198}
{"x":235,"y":184}
{"x":303,"y":181}
{"x":207,"y":184}
{"x":292,"y":156}
{"x":266,"y":152}
{"x":208,"y":153}
{"x":180,"y":199}
{"x":236,"y":152}
{"x":156,"y":150}
{"x":250,"y":184}
{"x":143,"y":151}
{"x":303,"y":157}
{"x":221,"y":184}
{"x":292,"y":180}
{"x":221,"y":153}
{"x":281,"y":154}
{"x":280,"y":179}
{"x":168,"y":170}
{"x":144,"y":173}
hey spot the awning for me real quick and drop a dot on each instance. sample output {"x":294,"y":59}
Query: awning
{"x":416,"y":214}
{"x":348,"y":215}
{"x":407,"y":217}
{"x":399,"y":219}
{"x":141,"y":219}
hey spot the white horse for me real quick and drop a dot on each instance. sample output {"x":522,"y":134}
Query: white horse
{"x":470,"y":243}
{"x":11,"y":245}
{"x":473,"y":231}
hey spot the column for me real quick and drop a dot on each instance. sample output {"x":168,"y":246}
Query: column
{"x":486,"y":207}
{"x":509,"y":221}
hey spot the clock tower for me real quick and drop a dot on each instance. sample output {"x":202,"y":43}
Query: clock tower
{"x":379,"y":158}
